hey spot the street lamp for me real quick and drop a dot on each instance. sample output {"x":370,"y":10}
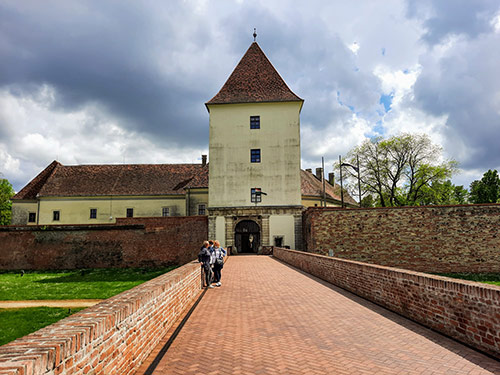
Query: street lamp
{"x":356,"y":168}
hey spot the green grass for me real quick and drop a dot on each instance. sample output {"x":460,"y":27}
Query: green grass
{"x":20,"y":322}
{"x":75,"y":284}
{"x":488,"y":278}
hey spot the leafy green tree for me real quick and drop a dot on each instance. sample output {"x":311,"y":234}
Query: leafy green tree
{"x":443,"y":193}
{"x":368,"y":201}
{"x":399,"y":170}
{"x":6,"y":193}
{"x":486,"y":190}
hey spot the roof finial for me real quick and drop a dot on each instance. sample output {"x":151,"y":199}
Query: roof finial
{"x":254,"y":34}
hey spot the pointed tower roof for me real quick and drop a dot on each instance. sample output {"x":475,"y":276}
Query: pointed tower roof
{"x":254,"y":80}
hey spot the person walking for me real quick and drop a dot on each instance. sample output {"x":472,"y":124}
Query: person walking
{"x":204,"y":257}
{"x":218,"y":259}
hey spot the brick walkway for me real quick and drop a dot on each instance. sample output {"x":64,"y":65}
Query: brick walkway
{"x":268,"y":318}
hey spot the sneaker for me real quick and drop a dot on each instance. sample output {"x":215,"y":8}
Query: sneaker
{"x":210,"y":286}
{"x":218,"y":284}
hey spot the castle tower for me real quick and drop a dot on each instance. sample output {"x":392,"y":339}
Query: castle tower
{"x":254,"y":169}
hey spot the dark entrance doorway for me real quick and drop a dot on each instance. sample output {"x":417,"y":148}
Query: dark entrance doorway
{"x":247,"y":236}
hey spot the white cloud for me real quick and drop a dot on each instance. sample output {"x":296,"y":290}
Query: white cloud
{"x":86,"y":136}
{"x":122,"y":82}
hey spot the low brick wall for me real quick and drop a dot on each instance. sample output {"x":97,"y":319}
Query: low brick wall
{"x":437,"y":239}
{"x":113,"y":337}
{"x":464,"y":310}
{"x":132,"y":242}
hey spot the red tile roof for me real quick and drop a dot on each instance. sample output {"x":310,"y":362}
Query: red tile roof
{"x":31,"y":190}
{"x":118,"y":179}
{"x":254,"y":80}
{"x":312,"y":186}
{"x":139,"y":179}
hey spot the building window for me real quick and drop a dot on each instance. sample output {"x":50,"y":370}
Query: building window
{"x":93,"y":213}
{"x":32,"y":217}
{"x":255,"y":195}
{"x":130,"y":212}
{"x":56,"y":215}
{"x":254,"y":122}
{"x":202,"y":209}
{"x":255,"y":155}
{"x":165,"y":211}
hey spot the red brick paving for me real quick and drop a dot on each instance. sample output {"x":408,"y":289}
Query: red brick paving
{"x":268,"y":318}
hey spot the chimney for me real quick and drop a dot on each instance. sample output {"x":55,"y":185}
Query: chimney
{"x":331,"y":178}
{"x":319,"y":173}
{"x":309,"y":170}
{"x":203,"y":160}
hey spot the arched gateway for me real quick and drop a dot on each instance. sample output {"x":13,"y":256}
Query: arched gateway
{"x":247,"y":236}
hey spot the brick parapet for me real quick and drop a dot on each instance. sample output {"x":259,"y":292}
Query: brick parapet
{"x":464,"y":310}
{"x":113,"y":337}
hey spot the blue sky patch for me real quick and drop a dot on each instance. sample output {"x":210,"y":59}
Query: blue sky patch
{"x":386,"y":100}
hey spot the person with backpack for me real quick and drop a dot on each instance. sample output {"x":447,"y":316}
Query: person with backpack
{"x":204,"y":257}
{"x":218,"y":261}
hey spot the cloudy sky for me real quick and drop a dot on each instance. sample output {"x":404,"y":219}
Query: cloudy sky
{"x":86,"y":82}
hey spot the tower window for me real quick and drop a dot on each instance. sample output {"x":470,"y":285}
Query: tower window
{"x":255,"y":195}
{"x":165,"y":211}
{"x":31,"y":217}
{"x":130,"y":212}
{"x":56,"y":215}
{"x":255,"y":155}
{"x":254,"y":122}
{"x":93,"y":213}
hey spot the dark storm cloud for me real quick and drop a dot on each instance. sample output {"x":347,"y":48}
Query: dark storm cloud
{"x":444,"y":18}
{"x":109,"y":54}
{"x":464,"y":84}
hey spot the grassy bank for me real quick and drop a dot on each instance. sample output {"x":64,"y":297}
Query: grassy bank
{"x":74,"y":284}
{"x":20,"y":322}
{"x":488,"y":278}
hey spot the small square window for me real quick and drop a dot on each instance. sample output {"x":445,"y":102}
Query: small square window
{"x":93,"y":213}
{"x":255,"y":195}
{"x":254,"y":122}
{"x":165,"y":211}
{"x":31,"y":217}
{"x":130,"y":212}
{"x":56,"y":215}
{"x":255,"y":155}
{"x":202,"y":209}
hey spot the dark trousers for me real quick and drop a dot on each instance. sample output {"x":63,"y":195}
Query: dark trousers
{"x":207,"y":270}
{"x":217,"y":273}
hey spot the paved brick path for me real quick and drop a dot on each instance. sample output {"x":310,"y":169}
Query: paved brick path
{"x":268,"y":318}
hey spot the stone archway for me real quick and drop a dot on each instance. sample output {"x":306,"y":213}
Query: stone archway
{"x":247,"y":236}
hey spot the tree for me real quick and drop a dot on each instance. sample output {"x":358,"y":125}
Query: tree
{"x":486,"y":190}
{"x":6,"y":192}
{"x":399,"y":170}
{"x":443,"y":193}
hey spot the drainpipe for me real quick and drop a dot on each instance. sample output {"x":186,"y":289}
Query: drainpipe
{"x":188,"y":201}
{"x":37,"y":209}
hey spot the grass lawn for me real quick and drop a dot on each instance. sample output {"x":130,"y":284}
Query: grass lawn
{"x":488,"y":278}
{"x":74,"y":284}
{"x":20,"y":322}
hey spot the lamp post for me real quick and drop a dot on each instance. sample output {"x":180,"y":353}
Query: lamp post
{"x":356,"y":168}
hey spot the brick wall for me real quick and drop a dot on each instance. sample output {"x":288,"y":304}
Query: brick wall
{"x":429,"y":239}
{"x":133,"y":242}
{"x":113,"y":337}
{"x":465,"y":310}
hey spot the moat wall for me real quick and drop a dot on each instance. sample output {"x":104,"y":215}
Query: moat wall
{"x":131,"y":242}
{"x":436,"y":239}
